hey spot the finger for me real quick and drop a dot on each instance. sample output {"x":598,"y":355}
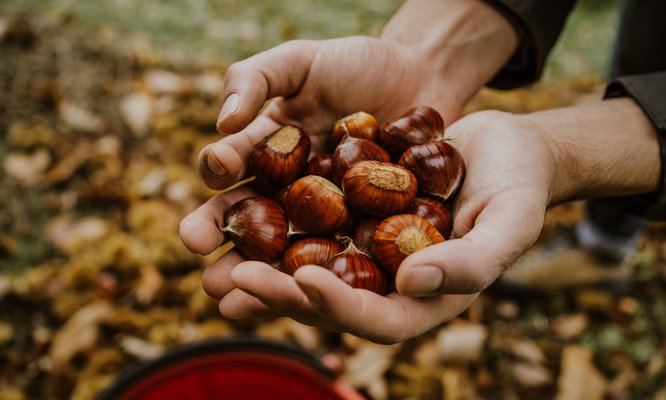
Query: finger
{"x":239,"y":305}
{"x":501,"y":233}
{"x":273,"y":288}
{"x":216,"y":278}
{"x":223,"y":162}
{"x":279,"y":71}
{"x":383,"y":319}
{"x":201,"y":230}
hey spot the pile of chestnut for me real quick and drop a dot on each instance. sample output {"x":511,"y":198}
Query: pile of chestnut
{"x":356,"y":211}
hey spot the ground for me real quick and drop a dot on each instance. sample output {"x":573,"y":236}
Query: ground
{"x":102,"y":112}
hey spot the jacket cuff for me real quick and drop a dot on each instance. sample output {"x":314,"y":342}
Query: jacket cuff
{"x":649,"y":92}
{"x":539,"y":23}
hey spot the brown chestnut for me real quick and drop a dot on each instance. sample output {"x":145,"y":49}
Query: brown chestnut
{"x":258,"y":228}
{"x":281,"y":197}
{"x":438,"y":167}
{"x":315,"y":206}
{"x":379,"y":188}
{"x":352,"y":150}
{"x":320,"y":165}
{"x":434,"y":211}
{"x":359,"y":125}
{"x":418,"y":125}
{"x":358,"y":270}
{"x":315,"y":251}
{"x":364,"y":230}
{"x":280,"y":157}
{"x":399,"y":236}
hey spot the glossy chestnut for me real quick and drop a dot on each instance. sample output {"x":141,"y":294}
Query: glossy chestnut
{"x":315,"y":251}
{"x":379,"y":188}
{"x":434,"y":211}
{"x":320,"y":165}
{"x":359,"y":125}
{"x":280,"y":157}
{"x":399,"y":236}
{"x":352,"y":150}
{"x":418,"y":125}
{"x":363,"y":232}
{"x":258,"y":228}
{"x":315,"y":206}
{"x":438,"y":166}
{"x":358,"y":270}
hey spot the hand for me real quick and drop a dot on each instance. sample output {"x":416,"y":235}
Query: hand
{"x":313,"y":83}
{"x":498,"y":215}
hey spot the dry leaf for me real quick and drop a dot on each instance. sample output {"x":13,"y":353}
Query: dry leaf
{"x":282,"y":329}
{"x":462,"y":343}
{"x":27,"y":168}
{"x":210,"y":83}
{"x":68,"y":164}
{"x":137,"y":110}
{"x":80,"y":119}
{"x":71,"y":236}
{"x":579,"y":379}
{"x":457,"y":385}
{"x":149,"y":284}
{"x":570,"y":326}
{"x":165,"y":82}
{"x":140,"y":348}
{"x":80,"y":332}
{"x":531,"y":375}
{"x":366,"y":368}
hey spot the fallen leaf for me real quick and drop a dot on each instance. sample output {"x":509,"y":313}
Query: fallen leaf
{"x":28,"y":169}
{"x":80,"y":332}
{"x":570,"y":326}
{"x":165,"y":82}
{"x":140,"y":348}
{"x":137,"y":110}
{"x":149,"y":284}
{"x":71,"y":235}
{"x":365,"y":369}
{"x":579,"y":379}
{"x":531,"y":375}
{"x":68,"y":164}
{"x":80,"y":119}
{"x":462,"y":343}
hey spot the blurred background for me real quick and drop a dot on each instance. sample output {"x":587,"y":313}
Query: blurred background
{"x":103,"y":109}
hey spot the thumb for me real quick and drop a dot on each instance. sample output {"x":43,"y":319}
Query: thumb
{"x":501,"y":233}
{"x":279,"y":71}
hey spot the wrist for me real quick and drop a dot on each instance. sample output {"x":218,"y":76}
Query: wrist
{"x":609,"y":148}
{"x":461,"y":43}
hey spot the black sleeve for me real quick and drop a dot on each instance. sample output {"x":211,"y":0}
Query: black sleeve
{"x":539,"y":23}
{"x":649,"y":91}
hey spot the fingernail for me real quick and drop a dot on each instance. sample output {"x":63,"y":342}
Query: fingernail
{"x":215,"y":166}
{"x":424,"y":280}
{"x":229,"y":107}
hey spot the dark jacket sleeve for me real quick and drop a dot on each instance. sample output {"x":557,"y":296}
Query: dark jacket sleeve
{"x":539,"y":23}
{"x":649,"y":91}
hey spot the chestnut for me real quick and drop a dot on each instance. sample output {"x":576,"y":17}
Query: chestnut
{"x":359,"y":125}
{"x":399,"y":236}
{"x":418,"y":125}
{"x":438,"y":167}
{"x":315,"y":206}
{"x":379,"y":188}
{"x":358,"y":270}
{"x":316,"y":251}
{"x":434,"y":211}
{"x":352,"y":150}
{"x":320,"y":165}
{"x":258,"y":228}
{"x":281,"y":197}
{"x":280,"y":157}
{"x":363,"y":232}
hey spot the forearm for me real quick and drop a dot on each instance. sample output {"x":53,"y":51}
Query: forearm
{"x":461,"y":41}
{"x":609,"y":148}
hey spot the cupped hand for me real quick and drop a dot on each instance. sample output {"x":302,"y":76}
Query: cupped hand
{"x":312,"y":84}
{"x":498,"y":214}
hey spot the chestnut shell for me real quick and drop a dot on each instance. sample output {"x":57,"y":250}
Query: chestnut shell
{"x":358,"y":270}
{"x":315,"y":206}
{"x":352,"y":150}
{"x":320,"y":165}
{"x":363,"y":232}
{"x":379,"y":188}
{"x":359,"y":125}
{"x":316,"y":251}
{"x":418,"y":125}
{"x":438,"y":166}
{"x":279,"y":159}
{"x":399,"y":236}
{"x":434,"y":211}
{"x":258,"y":227}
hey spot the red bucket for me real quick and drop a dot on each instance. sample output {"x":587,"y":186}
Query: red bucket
{"x":238,"y":368}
